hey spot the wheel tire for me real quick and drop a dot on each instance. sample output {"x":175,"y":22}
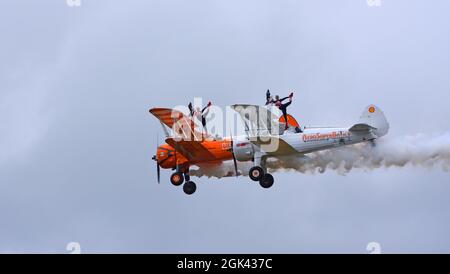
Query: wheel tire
{"x":189,"y":187}
{"x":177,"y":179}
{"x":267,"y":181}
{"x":256,"y":173}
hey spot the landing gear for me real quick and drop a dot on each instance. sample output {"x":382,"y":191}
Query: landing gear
{"x":177,"y":178}
{"x":189,"y":187}
{"x":259,"y":172}
{"x":256,"y":173}
{"x":180,"y":176}
{"x":266,"y":181}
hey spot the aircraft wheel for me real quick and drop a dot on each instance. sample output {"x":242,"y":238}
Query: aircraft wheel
{"x":256,"y":173}
{"x":189,"y":187}
{"x":177,"y":178}
{"x":266,"y":181}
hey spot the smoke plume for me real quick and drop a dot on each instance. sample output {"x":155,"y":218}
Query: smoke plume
{"x":420,"y":150}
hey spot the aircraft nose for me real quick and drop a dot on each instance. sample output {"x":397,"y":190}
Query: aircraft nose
{"x":159,"y":155}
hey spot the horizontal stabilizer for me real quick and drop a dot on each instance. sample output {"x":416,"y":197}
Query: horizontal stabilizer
{"x":361,"y":128}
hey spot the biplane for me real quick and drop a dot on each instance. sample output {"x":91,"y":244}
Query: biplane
{"x":266,"y":136}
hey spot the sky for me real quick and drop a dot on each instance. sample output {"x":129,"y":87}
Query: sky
{"x":76,"y":138}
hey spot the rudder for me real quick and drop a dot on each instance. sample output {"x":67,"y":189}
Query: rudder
{"x":374,"y":117}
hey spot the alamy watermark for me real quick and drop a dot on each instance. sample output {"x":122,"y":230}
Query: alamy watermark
{"x":73,"y":3}
{"x":373,"y":3}
{"x":73,"y":248}
{"x":374,"y":248}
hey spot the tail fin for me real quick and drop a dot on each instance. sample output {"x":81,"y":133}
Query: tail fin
{"x":373,"y":117}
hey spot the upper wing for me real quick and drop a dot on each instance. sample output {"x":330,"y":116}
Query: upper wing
{"x":168,"y":116}
{"x":263,"y":128}
{"x":258,"y":120}
{"x":182,"y":125}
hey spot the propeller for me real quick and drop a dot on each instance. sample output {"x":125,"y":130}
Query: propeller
{"x":158,"y":168}
{"x":234,"y":156}
{"x":155,"y":158}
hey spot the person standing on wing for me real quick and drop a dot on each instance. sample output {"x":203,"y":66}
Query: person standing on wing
{"x":191,"y":109}
{"x":269,"y":99}
{"x":283,"y":107}
{"x":200,"y":115}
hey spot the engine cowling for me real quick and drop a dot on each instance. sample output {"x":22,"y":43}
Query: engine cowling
{"x":243,"y":150}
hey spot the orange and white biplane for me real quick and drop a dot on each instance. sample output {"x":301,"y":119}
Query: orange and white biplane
{"x":265,"y":137}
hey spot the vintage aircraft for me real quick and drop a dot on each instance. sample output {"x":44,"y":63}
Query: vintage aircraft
{"x":265,"y":138}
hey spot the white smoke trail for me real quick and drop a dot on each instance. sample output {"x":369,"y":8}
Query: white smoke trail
{"x":421,"y":150}
{"x":219,"y":171}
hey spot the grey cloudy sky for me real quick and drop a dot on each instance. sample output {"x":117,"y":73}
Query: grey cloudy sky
{"x":76,"y":138}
